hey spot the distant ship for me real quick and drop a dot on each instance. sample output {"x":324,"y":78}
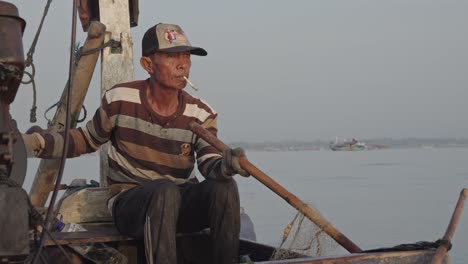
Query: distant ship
{"x":347,"y":145}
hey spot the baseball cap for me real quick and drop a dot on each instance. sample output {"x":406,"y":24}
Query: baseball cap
{"x":167,"y":38}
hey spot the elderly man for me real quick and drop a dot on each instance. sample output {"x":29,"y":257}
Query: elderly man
{"x":154,"y":191}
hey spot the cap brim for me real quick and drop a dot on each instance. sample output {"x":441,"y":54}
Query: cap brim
{"x":193,"y":50}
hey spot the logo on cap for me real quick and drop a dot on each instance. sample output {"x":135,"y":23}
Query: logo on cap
{"x":172,"y":36}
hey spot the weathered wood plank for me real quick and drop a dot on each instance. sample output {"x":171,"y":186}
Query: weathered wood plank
{"x":117,"y":64}
{"x":86,"y":206}
{"x":68,"y":238}
{"x":402,"y":257}
{"x":83,"y":72}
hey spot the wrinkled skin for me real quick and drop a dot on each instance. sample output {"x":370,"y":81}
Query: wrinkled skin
{"x":167,"y":71}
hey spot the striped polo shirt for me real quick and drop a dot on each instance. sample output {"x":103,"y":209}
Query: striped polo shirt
{"x":144,"y":145}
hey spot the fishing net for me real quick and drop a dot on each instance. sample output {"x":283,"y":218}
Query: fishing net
{"x":303,"y":238}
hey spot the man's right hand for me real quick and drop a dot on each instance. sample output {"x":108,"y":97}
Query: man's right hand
{"x":34,"y":129}
{"x":34,"y":141}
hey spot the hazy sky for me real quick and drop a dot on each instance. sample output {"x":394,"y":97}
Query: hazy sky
{"x":294,"y":70}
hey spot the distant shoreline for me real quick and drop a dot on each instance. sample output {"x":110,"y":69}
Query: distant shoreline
{"x":371,"y":144}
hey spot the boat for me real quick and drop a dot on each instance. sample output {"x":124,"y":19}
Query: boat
{"x":85,"y":204}
{"x":194,"y":249}
{"x":347,"y":145}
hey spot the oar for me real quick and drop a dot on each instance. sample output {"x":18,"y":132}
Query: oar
{"x":308,"y":211}
{"x":442,"y":249}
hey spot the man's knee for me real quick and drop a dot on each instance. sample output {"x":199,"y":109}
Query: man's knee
{"x":163,"y":188}
{"x":162,"y":195}
{"x":225,"y":192}
{"x":226,"y":185}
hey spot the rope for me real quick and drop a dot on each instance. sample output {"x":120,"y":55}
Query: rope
{"x":32,"y":114}
{"x":29,"y":62}
{"x":85,"y":113}
{"x":50,"y":121}
{"x":67,"y":136}
{"x":445,"y":243}
{"x":29,"y":59}
{"x":80,"y":53}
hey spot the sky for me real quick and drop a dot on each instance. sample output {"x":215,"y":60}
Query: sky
{"x":293,"y":70}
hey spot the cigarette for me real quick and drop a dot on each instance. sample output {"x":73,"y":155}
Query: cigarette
{"x":191,"y":84}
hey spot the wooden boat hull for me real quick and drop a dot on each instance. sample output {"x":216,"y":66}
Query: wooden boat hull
{"x":408,"y":257}
{"x":195,"y":249}
{"x":261,"y":253}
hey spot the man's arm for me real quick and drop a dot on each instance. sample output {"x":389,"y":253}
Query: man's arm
{"x":208,"y":158}
{"x":49,"y":145}
{"x":214,"y":164}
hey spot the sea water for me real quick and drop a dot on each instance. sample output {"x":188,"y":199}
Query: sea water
{"x":378,"y":198}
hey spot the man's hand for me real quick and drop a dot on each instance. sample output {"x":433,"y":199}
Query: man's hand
{"x":230,"y":163}
{"x":34,"y":141}
{"x":34,"y":129}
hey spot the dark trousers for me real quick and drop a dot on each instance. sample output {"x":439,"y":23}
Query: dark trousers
{"x":182,"y":209}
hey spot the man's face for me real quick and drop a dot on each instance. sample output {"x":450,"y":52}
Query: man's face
{"x":169,"y":69}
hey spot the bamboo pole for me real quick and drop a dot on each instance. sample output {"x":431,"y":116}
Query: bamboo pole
{"x":442,"y":249}
{"x":117,"y":63}
{"x":305,"y":209}
{"x":48,"y":169}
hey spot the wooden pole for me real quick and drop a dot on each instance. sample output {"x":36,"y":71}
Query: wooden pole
{"x":48,"y":169}
{"x":117,"y":63}
{"x":442,"y":249}
{"x":302,"y":207}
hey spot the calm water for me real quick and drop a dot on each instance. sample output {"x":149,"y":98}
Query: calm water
{"x":376,"y":198}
